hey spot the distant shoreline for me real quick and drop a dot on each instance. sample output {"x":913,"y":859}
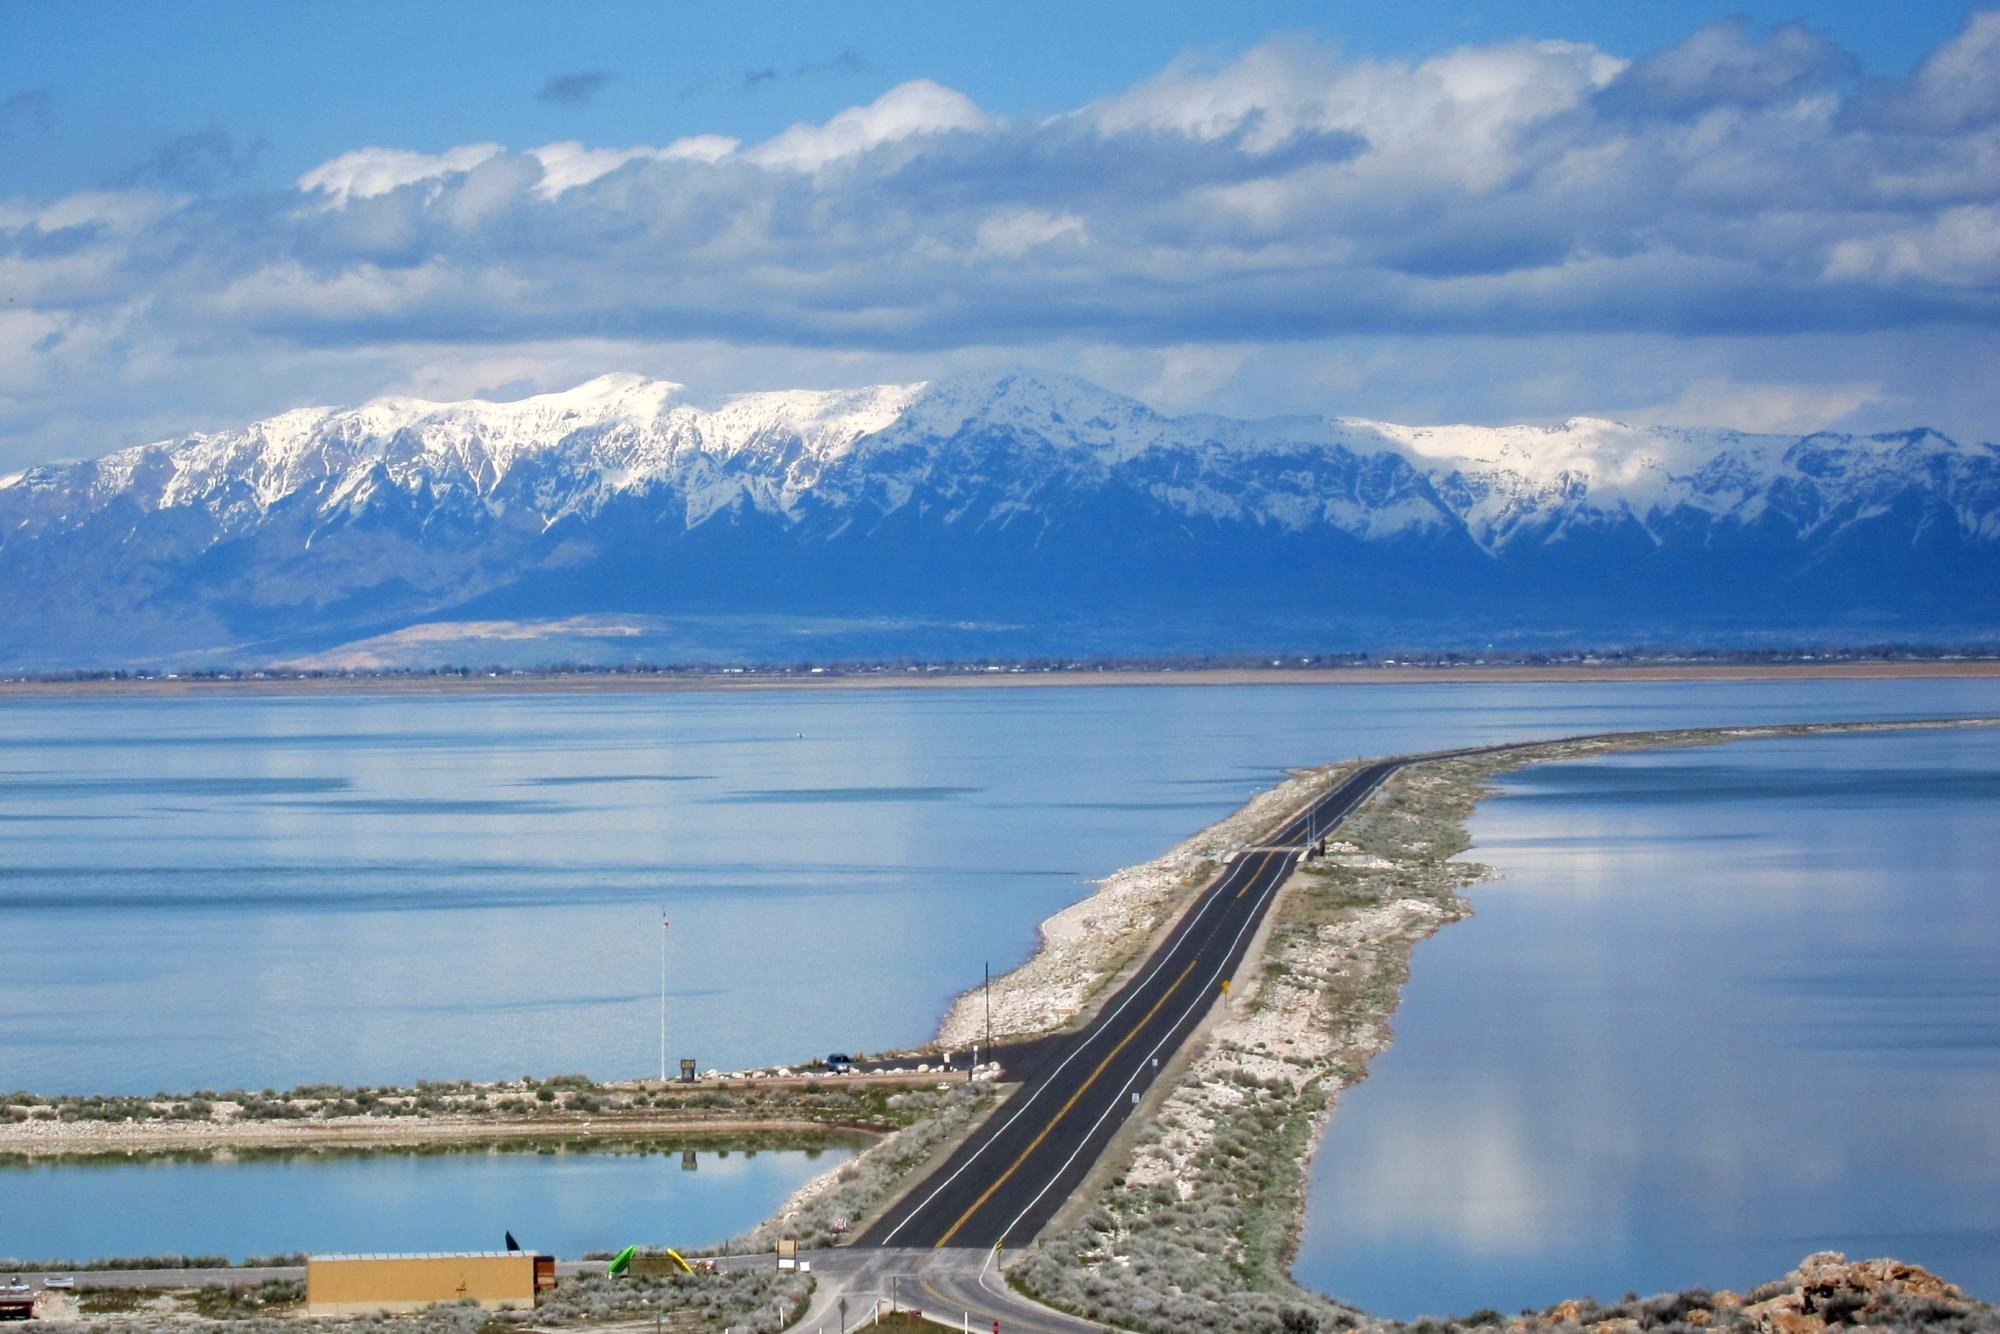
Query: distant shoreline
{"x":675,"y":683}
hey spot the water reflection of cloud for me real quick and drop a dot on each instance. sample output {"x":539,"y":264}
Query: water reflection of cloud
{"x":1678,"y":1029}
{"x":1468,"y":1178}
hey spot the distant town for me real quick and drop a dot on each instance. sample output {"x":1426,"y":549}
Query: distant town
{"x":806,"y":670}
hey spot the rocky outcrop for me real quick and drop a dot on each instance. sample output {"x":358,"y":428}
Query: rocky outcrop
{"x":1826,"y":1291}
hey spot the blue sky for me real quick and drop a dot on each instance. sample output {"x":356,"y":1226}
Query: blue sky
{"x":1444,"y":211}
{"x":312,"y":81}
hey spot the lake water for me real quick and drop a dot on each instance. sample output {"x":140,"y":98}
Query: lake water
{"x":259,"y":891}
{"x":564,"y":1202}
{"x":1729,"y":1006}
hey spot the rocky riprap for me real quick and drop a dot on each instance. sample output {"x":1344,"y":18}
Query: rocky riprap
{"x":1826,"y":1291}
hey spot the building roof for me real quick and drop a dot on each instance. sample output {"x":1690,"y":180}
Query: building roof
{"x":424,"y":1255}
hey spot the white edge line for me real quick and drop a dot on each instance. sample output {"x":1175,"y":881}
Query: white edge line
{"x":1049,"y":1079}
{"x":1112,"y":1106}
{"x":1205,"y":993}
{"x":1104,"y":1027}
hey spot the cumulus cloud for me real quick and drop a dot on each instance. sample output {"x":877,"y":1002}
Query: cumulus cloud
{"x":917,"y":108}
{"x":574,"y":89}
{"x":1953,"y":90}
{"x":367,"y":172}
{"x":1743,"y":184}
{"x":1726,"y":64}
{"x":1017,"y":231}
{"x":569,"y":164}
{"x":1796,"y":409}
{"x":1960,"y":247}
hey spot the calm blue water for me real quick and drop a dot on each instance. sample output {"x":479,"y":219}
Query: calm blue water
{"x":1729,"y":1006}
{"x":261,"y":891}
{"x":564,"y":1203}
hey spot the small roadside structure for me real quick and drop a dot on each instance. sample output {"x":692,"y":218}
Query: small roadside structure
{"x":363,"y":1284}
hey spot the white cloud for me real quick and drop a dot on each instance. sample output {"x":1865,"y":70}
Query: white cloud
{"x":1793,"y":409}
{"x":288,"y":294}
{"x":1726,"y":64}
{"x":1959,"y":248}
{"x":124,"y":212}
{"x":1190,"y":377}
{"x":1953,"y":89}
{"x":21,"y":333}
{"x":569,"y":164}
{"x":1268,"y":91}
{"x":1016,"y":231}
{"x":1454,"y":116}
{"x":367,"y":172}
{"x":919,"y":107}
{"x":1457,"y":237}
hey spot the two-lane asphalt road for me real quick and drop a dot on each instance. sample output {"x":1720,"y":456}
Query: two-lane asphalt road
{"x":1010,"y":1177}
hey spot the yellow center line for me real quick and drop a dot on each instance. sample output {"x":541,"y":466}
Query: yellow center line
{"x":1254,"y":874}
{"x":1036,"y":1143}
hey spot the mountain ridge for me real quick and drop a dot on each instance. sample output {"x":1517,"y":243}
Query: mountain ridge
{"x":1021,"y":493}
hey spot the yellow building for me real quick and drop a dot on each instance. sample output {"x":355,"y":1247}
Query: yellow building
{"x":361,"y":1284}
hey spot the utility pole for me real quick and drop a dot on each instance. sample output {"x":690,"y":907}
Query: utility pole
{"x":989,"y":1006}
{"x":663,"y":995}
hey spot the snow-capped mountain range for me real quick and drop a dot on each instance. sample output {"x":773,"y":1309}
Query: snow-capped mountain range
{"x":1013,"y":509}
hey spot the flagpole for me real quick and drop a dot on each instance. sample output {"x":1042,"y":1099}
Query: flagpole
{"x":663,"y":995}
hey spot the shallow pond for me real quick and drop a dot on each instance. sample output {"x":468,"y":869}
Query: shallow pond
{"x":560,"y":1199}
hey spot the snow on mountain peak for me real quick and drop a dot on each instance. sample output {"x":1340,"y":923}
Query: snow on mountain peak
{"x":1014,"y":491}
{"x":1618,"y":466}
{"x":1034,"y":402}
{"x":825,"y":421}
{"x":624,"y":392}
{"x":1010,"y":439}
